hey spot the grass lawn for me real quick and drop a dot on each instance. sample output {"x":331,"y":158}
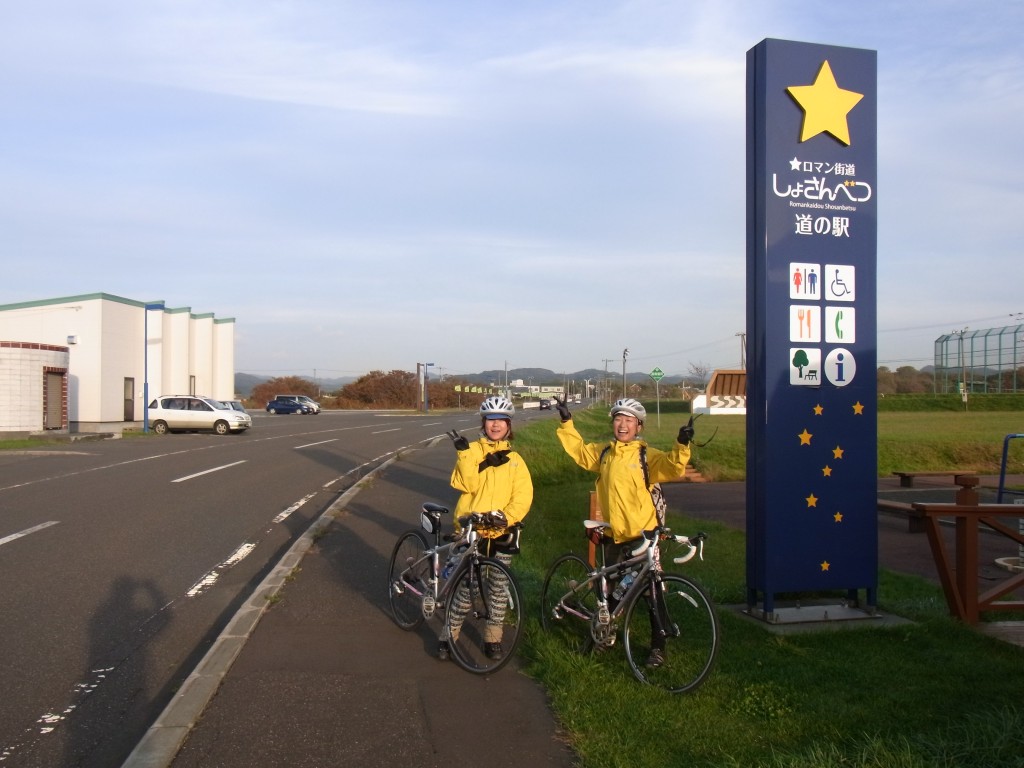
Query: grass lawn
{"x":930,"y":693}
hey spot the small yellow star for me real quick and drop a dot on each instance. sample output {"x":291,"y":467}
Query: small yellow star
{"x":858,"y":408}
{"x":825,"y":106}
{"x":826,"y":471}
{"x":805,"y":437}
{"x":837,"y":452}
{"x":838,"y":517}
{"x":825,"y":565}
{"x":818,"y":410}
{"x":812,"y":500}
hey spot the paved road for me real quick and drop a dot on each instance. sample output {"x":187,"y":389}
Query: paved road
{"x":122,"y":559}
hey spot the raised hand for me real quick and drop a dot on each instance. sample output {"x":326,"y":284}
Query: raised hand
{"x":458,"y":440}
{"x":563,"y":409}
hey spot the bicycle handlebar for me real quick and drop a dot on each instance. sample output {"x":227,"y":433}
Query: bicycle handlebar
{"x":479,"y":520}
{"x":695,"y":544}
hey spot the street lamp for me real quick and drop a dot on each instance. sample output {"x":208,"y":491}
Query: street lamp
{"x":426,"y":388}
{"x":145,"y":361}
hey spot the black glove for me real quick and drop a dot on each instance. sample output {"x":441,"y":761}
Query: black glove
{"x":495,"y":459}
{"x":458,"y":440}
{"x":563,"y":409}
{"x":686,"y":431}
{"x":497,"y":519}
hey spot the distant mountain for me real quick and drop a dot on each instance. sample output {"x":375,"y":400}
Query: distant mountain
{"x":244,"y":383}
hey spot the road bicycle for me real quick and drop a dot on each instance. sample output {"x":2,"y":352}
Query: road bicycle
{"x":576,"y":607}
{"x":476,"y":597}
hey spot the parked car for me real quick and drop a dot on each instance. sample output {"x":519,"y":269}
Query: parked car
{"x":314,"y":406}
{"x":235,"y":405}
{"x":287,"y":405}
{"x":545,"y":404}
{"x":170,"y":413}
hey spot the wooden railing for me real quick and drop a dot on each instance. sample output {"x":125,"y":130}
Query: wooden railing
{"x":959,"y":574}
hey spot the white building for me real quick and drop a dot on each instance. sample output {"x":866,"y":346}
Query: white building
{"x":114,"y":347}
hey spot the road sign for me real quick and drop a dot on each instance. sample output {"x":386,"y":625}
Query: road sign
{"x":657,"y":374}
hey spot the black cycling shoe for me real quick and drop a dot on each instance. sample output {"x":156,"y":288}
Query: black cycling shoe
{"x":443,"y":651}
{"x":494,"y":651}
{"x":656,"y":658}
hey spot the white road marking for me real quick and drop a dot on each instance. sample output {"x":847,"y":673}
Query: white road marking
{"x":211,"y":578}
{"x":284,"y":515}
{"x":208,"y":471}
{"x":27,"y":531}
{"x":310,"y":445}
{"x":382,"y":431}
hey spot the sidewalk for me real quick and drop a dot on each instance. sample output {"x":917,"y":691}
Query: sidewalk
{"x":325,"y":678}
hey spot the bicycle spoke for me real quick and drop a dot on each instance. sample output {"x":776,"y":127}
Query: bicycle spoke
{"x":408,"y":576}
{"x":568,"y":603}
{"x":688,"y":618}
{"x":484,"y":618}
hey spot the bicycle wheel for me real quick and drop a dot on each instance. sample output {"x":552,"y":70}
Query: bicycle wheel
{"x":408,"y":579}
{"x":484,"y":616}
{"x":690,"y":623}
{"x":568,"y":602}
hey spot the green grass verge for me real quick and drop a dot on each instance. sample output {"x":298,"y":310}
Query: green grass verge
{"x":931,"y":693}
{"x":908,"y":441}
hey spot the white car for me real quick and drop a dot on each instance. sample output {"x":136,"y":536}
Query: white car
{"x":170,"y":413}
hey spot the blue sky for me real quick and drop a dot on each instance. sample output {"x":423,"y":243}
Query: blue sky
{"x":364,"y":185}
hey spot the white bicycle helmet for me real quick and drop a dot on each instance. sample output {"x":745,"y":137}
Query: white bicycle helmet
{"x":630,"y":406}
{"x":497,"y":407}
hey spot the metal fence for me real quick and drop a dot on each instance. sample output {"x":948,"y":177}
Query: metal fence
{"x":990,"y":360}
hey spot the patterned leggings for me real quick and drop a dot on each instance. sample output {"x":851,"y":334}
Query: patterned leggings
{"x":497,"y":595}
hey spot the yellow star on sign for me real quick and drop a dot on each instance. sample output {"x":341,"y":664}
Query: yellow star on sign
{"x":818,"y":410}
{"x":825,"y":565}
{"x":838,"y":517}
{"x":826,"y":471}
{"x":805,"y":437}
{"x":837,"y":452}
{"x":812,"y":500}
{"x":825,"y":106}
{"x":858,"y":408}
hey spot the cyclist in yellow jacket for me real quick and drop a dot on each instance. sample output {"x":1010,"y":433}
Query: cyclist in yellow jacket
{"x":623,"y":483}
{"x":493,"y":479}
{"x":626,"y":468}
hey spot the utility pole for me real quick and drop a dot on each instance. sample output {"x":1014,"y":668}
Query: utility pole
{"x":605,"y":393}
{"x":625,"y":354}
{"x":743,"y":350}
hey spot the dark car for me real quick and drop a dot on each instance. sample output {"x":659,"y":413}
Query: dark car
{"x":545,"y":405}
{"x":285,"y":405}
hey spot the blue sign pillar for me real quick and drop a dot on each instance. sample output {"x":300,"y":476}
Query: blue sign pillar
{"x":811,"y":322}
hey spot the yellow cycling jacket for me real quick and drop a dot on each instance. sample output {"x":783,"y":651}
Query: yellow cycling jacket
{"x":508,"y":487}
{"x":624,"y":497}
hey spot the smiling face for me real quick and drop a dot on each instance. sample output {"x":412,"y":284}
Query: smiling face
{"x":496,"y":429}
{"x":625,"y":427}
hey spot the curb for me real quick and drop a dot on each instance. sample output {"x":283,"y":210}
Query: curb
{"x":164,"y":738}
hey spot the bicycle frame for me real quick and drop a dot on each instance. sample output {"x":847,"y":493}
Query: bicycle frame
{"x":646,"y":556}
{"x":435,"y":593}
